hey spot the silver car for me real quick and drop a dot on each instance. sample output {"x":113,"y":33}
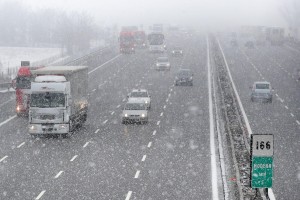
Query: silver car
{"x":262,"y":91}
{"x":135,"y":110}
{"x":141,"y":94}
{"x":163,"y":63}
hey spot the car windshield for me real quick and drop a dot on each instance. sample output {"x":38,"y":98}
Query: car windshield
{"x":47,"y":100}
{"x":177,"y":49}
{"x":163,"y":60}
{"x":139,"y":94}
{"x":184,"y":73}
{"x":135,"y":106}
{"x":262,"y":86}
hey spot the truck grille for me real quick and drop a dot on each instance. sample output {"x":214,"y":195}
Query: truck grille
{"x":47,"y":117}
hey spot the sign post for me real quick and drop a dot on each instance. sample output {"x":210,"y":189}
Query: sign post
{"x":262,"y":151}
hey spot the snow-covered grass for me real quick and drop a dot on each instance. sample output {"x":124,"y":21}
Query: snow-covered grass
{"x":11,"y":57}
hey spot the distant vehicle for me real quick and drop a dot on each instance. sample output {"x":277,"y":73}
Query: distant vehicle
{"x":261,"y":91}
{"x":141,"y":94}
{"x":135,"y":110}
{"x":59,"y":100}
{"x":163,"y":63}
{"x":275,"y":35}
{"x":127,"y":42}
{"x":140,"y":39}
{"x":177,"y":51}
{"x":234,"y":43}
{"x":184,"y":77}
{"x":156,"y":42}
{"x":158,"y":28}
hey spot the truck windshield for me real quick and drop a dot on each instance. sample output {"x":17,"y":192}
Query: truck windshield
{"x":23,"y":82}
{"x":47,"y":100}
{"x":262,"y":86}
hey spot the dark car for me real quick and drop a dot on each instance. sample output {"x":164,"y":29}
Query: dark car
{"x":249,"y":44}
{"x":184,"y":77}
{"x":177,"y":51}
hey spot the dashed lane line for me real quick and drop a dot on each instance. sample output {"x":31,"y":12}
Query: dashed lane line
{"x":149,"y":145}
{"x":74,"y":157}
{"x":292,"y":115}
{"x":94,"y":90}
{"x":161,"y":114}
{"x":137,"y":174}
{"x":158,"y":123}
{"x":128,"y":195}
{"x":97,"y":130}
{"x":58,"y":174}
{"x":2,"y":159}
{"x":154,"y":132}
{"x":20,"y":145}
{"x":296,"y":121}
{"x":286,"y":107}
{"x":165,"y":106}
{"x":86,"y":144}
{"x":118,"y":106}
{"x":105,"y":121}
{"x":40,"y":195}
{"x":144,"y":158}
{"x":113,"y":112}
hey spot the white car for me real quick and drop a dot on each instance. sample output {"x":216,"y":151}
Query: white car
{"x":141,"y":94}
{"x":163,"y":63}
{"x":135,"y":110}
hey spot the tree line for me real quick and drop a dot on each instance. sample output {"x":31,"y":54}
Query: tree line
{"x":21,"y":26}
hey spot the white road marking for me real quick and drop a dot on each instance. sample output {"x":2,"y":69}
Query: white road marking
{"x":113,"y":112}
{"x":124,"y":99}
{"x":74,"y":157}
{"x":137,"y":174}
{"x":214,"y":181}
{"x":161,"y":114}
{"x":85,"y":145}
{"x":281,"y":100}
{"x":4,"y":122}
{"x":276,"y":95}
{"x":97,"y":130}
{"x":40,"y":195}
{"x":128,"y":195}
{"x":167,"y":100}
{"x":149,"y":145}
{"x":21,"y":144}
{"x":292,"y":115}
{"x":104,"y":63}
{"x":102,"y":84}
{"x":118,"y":106}
{"x":94,"y":90}
{"x":3,"y":158}
{"x":169,"y":95}
{"x":105,"y":121}
{"x":165,"y":106}
{"x":296,"y":121}
{"x":158,"y":123}
{"x":286,"y":107}
{"x":154,"y":132}
{"x":144,"y":158}
{"x":59,"y":173}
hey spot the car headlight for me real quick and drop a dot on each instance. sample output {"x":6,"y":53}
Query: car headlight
{"x":173,"y":51}
{"x":146,"y":102}
{"x":18,"y":108}
{"x":157,"y":64}
{"x":143,"y":115}
{"x":191,"y":78}
{"x":168,"y":64}
{"x":126,"y":115}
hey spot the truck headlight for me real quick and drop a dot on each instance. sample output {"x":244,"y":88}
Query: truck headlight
{"x":168,"y":64}
{"x":146,"y":102}
{"x":173,"y":51}
{"x":62,"y":126}
{"x":157,"y":65}
{"x":32,"y":127}
{"x":143,"y":115}
{"x":126,"y":115}
{"x":18,"y":108}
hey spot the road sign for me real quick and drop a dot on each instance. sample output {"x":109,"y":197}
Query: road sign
{"x":262,"y":145}
{"x":262,"y":150}
{"x":262,"y":172}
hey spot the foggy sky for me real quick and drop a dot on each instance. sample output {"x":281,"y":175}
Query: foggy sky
{"x":182,"y":12}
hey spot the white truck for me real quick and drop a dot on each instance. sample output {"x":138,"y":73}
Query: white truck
{"x":59,"y":99}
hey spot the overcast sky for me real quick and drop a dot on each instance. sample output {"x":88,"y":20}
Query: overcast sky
{"x":189,"y":12}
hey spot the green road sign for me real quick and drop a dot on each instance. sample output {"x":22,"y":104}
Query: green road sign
{"x":262,"y":172}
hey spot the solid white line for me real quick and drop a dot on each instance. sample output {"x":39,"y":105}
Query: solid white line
{"x":149,"y":145}
{"x":97,"y":130}
{"x":144,"y":158}
{"x":74,"y":157}
{"x":21,"y":144}
{"x":270,"y":191}
{"x":214,"y":181}
{"x":105,"y":121}
{"x":161,"y":114}
{"x":286,"y":107}
{"x":154,"y":132}
{"x":137,"y":174}
{"x":128,"y":195}
{"x":296,"y":121}
{"x":4,"y":122}
{"x":104,"y":63}
{"x":158,"y":123}
{"x":292,"y":115}
{"x":85,"y":145}
{"x":59,"y":173}
{"x":3,"y":158}
{"x":40,"y":195}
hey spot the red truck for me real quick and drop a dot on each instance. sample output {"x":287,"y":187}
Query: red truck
{"x":127,"y":42}
{"x":140,"y":39}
